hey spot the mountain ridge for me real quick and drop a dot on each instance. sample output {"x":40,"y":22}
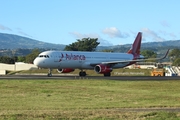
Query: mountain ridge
{"x":11,"y":41}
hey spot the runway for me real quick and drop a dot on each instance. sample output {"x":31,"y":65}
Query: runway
{"x":60,"y":77}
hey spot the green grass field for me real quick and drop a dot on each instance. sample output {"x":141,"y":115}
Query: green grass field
{"x":87,"y":99}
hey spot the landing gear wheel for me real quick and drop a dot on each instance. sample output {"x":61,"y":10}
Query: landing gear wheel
{"x":107,"y":74}
{"x":82,"y":73}
{"x":49,"y":73}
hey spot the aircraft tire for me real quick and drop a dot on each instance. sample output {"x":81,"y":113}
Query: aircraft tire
{"x":49,"y":75}
{"x":107,"y":74}
{"x":82,"y":73}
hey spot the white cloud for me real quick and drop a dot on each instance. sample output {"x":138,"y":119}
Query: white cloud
{"x":4,"y":28}
{"x":102,"y":41}
{"x":163,"y":32}
{"x":113,"y":32}
{"x":165,"y":24}
{"x":24,"y":34}
{"x":80,"y":36}
{"x":171,"y":35}
{"x":151,"y":34}
{"x":19,"y":31}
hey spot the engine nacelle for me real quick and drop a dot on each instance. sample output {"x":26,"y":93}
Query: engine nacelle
{"x":102,"y":68}
{"x":66,"y":70}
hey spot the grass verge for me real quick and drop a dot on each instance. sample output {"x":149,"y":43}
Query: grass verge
{"x":87,"y":99}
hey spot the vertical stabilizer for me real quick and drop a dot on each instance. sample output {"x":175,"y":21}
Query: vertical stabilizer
{"x":135,"y":49}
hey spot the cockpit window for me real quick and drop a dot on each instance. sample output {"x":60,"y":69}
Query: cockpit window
{"x":46,"y":56}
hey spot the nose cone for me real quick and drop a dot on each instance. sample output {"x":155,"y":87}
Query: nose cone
{"x":36,"y":62}
{"x":39,"y":62}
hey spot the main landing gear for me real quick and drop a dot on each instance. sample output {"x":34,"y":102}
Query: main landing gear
{"x":49,"y":73}
{"x":82,"y":73}
{"x":107,"y":74}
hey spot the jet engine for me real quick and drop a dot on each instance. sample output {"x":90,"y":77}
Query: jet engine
{"x":102,"y":69}
{"x":66,"y":70}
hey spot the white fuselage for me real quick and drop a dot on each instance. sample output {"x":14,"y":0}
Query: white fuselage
{"x":79,"y":60}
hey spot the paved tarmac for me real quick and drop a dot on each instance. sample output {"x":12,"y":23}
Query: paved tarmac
{"x":60,"y":77}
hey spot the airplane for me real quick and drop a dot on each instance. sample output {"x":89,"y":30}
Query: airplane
{"x":101,"y":62}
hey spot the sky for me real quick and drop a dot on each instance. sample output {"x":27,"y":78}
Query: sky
{"x":113,"y":22}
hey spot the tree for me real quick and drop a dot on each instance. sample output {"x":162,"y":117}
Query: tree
{"x":149,"y":54}
{"x":175,"y":57}
{"x":8,"y":60}
{"x":107,"y":50}
{"x":86,"y":44}
{"x":176,"y":62}
{"x":21,"y":59}
{"x":30,"y":57}
{"x":174,"y":54}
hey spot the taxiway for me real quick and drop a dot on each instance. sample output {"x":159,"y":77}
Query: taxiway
{"x":59,"y":77}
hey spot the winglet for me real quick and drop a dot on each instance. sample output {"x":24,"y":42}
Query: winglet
{"x":165,"y":54}
{"x":159,"y":58}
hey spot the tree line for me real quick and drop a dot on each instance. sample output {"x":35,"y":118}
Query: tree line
{"x":174,"y":56}
{"x":27,"y":59}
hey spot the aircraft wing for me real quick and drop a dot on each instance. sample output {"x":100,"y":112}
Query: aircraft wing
{"x":136,"y":60}
{"x":94,"y":64}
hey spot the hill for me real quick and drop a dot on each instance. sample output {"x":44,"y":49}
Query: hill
{"x":155,"y":46}
{"x":22,"y":45}
{"x":9,"y":41}
{"x":169,"y":43}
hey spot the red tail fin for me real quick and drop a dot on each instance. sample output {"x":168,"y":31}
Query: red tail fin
{"x":135,"y":49}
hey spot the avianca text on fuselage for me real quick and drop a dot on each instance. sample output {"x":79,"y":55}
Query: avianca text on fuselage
{"x":74,"y":57}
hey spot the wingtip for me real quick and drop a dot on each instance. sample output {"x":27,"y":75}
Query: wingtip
{"x":166,"y":54}
{"x":167,"y":51}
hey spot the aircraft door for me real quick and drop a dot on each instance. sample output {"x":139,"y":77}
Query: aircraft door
{"x":56,"y":58}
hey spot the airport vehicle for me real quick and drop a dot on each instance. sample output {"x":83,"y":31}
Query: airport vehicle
{"x":101,"y":62}
{"x":157,"y":72}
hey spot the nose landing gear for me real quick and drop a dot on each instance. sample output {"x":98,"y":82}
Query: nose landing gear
{"x":49,"y":73}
